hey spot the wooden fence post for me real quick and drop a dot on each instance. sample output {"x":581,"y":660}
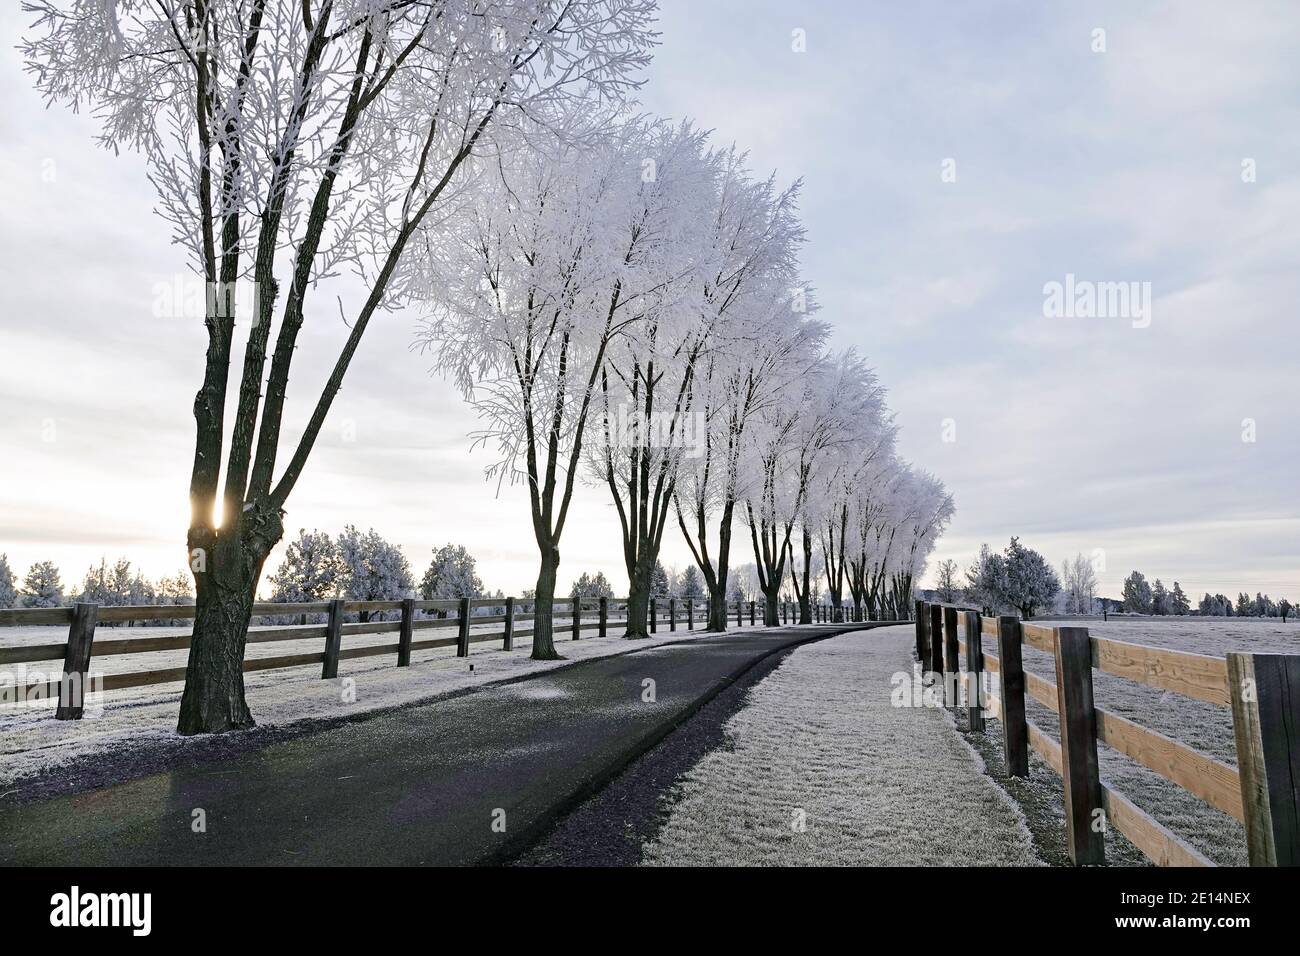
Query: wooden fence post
{"x":1011,"y":687}
{"x":951,"y":658}
{"x":672,"y":614}
{"x":577,"y":617}
{"x":333,"y":640}
{"x":751,"y":613}
{"x":404,"y":633}
{"x":974,"y":671}
{"x":76,"y":662}
{"x":654,"y":616}
{"x":462,"y":634}
{"x":920,"y":631}
{"x":936,"y":640}
{"x":740,"y":620}
{"x":1084,"y":825}
{"x":604,"y":617}
{"x":690,"y":614}
{"x":1265,"y":690}
{"x":508,"y":644}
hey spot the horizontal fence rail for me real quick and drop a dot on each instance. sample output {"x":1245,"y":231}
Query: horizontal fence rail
{"x":1262,"y":691}
{"x":585,"y":615}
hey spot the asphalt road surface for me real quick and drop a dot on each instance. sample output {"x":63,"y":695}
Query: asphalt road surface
{"x":472,"y":779}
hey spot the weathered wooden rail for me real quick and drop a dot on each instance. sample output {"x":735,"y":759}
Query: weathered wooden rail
{"x":1262,"y":691}
{"x":76,"y":652}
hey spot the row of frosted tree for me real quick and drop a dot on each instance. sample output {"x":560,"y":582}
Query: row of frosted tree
{"x":619,"y":298}
{"x":116,"y":584}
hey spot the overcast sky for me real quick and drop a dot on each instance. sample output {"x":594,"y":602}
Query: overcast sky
{"x":957,"y":158}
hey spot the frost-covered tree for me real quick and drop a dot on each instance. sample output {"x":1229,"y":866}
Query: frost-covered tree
{"x":290,"y":142}
{"x":1218,"y":605}
{"x":792,"y":436}
{"x":8,"y":593}
{"x":1079,"y":581}
{"x":753,"y":293}
{"x":116,"y":586}
{"x":42,"y":586}
{"x":1178,"y":600}
{"x":984,"y":580}
{"x":176,"y":589}
{"x":1284,"y":609}
{"x":528,"y":294}
{"x":312,"y":570}
{"x":647,"y":421}
{"x":660,"y":586}
{"x":946,"y":586}
{"x":690,"y":588}
{"x":592,"y":586}
{"x":1028,"y":581}
{"x":926,"y":508}
{"x":452,"y":574}
{"x":841,"y":426}
{"x":373,"y":569}
{"x":1137,"y":594}
{"x":869,"y":504}
{"x":1159,"y":598}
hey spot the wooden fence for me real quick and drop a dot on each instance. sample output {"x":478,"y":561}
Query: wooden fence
{"x":1262,"y":691}
{"x":585,"y":615}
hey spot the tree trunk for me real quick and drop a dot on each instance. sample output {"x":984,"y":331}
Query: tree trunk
{"x":772,"y":606}
{"x":718,"y":618}
{"x":805,"y":596}
{"x":719,"y":613}
{"x":213,"y":701}
{"x":544,"y":612}
{"x":640,"y":580}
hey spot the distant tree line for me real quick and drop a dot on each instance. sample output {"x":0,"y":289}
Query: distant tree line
{"x":316,"y":567}
{"x":1020,"y":579}
{"x":1154,"y":598}
{"x":115,"y":585}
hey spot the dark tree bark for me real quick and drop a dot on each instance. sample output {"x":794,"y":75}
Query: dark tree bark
{"x":638,"y":610}
{"x":213,"y":700}
{"x":544,"y":609}
{"x":833,"y":550}
{"x":771,"y":548}
{"x":803,"y":589}
{"x":714,"y":569}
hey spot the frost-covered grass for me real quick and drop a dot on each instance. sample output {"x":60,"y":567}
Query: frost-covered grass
{"x":32,"y":742}
{"x":1204,"y":726}
{"x":877,"y":784}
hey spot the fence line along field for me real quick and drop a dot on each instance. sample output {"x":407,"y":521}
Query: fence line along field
{"x":1199,"y":724}
{"x":1174,"y":734}
{"x":477,"y":620}
{"x":145,"y":667}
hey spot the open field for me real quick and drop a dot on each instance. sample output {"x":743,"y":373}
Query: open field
{"x":1204,"y":726}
